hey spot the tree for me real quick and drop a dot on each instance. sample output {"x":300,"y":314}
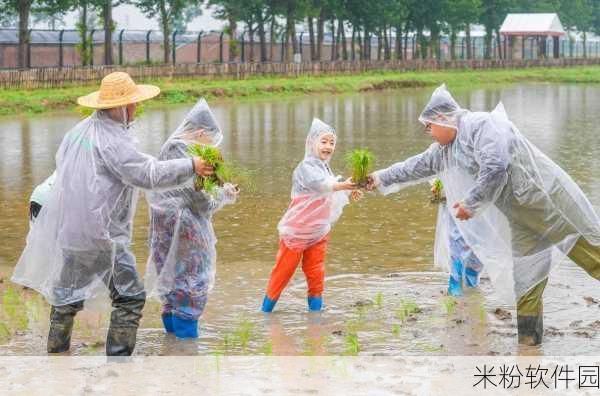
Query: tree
{"x":578,"y":14}
{"x":169,"y":13}
{"x":459,"y":15}
{"x":493,"y":14}
{"x":23,"y":9}
{"x":231,"y":11}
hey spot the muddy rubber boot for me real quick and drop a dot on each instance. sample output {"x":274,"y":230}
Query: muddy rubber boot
{"x":59,"y":336}
{"x":120,"y":341}
{"x":315,"y":304}
{"x":531,"y":329}
{"x":185,"y":328}
{"x":167,"y":319}
{"x":455,"y":280}
{"x":61,"y":327}
{"x":124,"y":322}
{"x":268,"y":304}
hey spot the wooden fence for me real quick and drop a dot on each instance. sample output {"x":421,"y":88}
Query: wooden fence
{"x":68,"y":76}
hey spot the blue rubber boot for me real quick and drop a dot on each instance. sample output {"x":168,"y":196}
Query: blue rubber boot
{"x":471,"y":277}
{"x":167,"y":320}
{"x":315,"y":303}
{"x":185,"y":328}
{"x":268,"y":304}
{"x":455,"y":281}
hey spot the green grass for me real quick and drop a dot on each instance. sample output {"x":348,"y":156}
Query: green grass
{"x":175,"y":91}
{"x":360,"y":162}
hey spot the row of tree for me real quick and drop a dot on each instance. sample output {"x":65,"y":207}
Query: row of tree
{"x":389,"y":22}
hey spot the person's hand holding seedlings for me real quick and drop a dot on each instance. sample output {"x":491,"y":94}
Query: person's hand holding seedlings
{"x":345,"y":185}
{"x":461,"y":212}
{"x":202,"y":167}
{"x":372,"y":182}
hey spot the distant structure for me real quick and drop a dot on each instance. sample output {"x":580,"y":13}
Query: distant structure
{"x":517,"y":29}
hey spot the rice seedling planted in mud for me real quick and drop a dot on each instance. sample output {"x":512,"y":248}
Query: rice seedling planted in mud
{"x":360,"y":162}
{"x":407,"y":308}
{"x":449,"y":303}
{"x":352,"y":344}
{"x":379,"y":299}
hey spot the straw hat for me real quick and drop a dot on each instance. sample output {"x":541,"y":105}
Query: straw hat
{"x":118,"y":89}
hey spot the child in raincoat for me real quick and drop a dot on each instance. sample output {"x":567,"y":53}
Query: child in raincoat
{"x":317,"y":202}
{"x":451,"y":249}
{"x":182,"y":260}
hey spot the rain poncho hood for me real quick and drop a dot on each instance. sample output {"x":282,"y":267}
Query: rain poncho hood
{"x":528,"y":213}
{"x":85,"y":226}
{"x":182,"y":240}
{"x":202,"y":118}
{"x":315,"y":207}
{"x":442,"y":109}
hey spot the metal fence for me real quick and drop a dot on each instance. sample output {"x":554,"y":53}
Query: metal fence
{"x":63,"y":48}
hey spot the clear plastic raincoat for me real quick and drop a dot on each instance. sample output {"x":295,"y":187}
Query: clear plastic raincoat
{"x":528,"y":213}
{"x":315,"y":207}
{"x":80,"y":239}
{"x":182,"y":262}
{"x":450,"y":246}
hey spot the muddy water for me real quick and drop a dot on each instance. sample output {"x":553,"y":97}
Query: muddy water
{"x":383,"y":294}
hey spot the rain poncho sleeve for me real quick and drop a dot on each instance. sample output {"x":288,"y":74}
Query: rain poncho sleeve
{"x":491,"y":153}
{"x":315,"y":207}
{"x":414,"y":170}
{"x":144,"y":171}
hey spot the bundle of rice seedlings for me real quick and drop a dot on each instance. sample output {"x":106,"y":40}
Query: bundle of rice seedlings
{"x":360,"y":162}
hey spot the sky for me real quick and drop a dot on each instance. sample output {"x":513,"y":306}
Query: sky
{"x":129,"y":17}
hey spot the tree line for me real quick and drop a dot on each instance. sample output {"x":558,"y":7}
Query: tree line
{"x":389,"y":22}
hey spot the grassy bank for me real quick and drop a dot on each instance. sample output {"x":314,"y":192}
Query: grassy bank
{"x":13,"y":102}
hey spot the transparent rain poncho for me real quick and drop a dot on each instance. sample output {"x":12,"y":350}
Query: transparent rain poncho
{"x":315,"y":207}
{"x":182,"y":263}
{"x":80,"y":239}
{"x":528,"y":213}
{"x":450,"y":245}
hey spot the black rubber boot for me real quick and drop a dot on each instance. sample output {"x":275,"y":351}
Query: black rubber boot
{"x":61,"y":327}
{"x":531,"y":329}
{"x":124,"y":322}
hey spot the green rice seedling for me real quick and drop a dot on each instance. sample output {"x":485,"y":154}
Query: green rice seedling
{"x":13,"y":309}
{"x":379,"y":300}
{"x":267,"y":348}
{"x":407,"y":308}
{"x":449,"y":303}
{"x":244,"y":333}
{"x":427,"y":347}
{"x":352,"y":344}
{"x":360,"y":162}
{"x":437,"y":188}
{"x":224,"y":171}
{"x":396,"y":330}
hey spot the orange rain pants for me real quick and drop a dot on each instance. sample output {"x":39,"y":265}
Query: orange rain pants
{"x":313,"y":266}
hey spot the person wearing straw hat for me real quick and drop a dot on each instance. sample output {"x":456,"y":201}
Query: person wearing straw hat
{"x":79,"y":243}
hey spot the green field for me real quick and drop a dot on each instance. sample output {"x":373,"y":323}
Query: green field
{"x":14,"y":102}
